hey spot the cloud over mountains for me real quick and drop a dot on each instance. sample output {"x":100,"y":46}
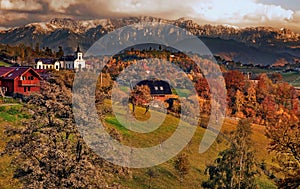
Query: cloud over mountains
{"x":240,"y":13}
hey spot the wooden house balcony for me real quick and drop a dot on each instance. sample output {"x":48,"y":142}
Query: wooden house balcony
{"x":29,"y":83}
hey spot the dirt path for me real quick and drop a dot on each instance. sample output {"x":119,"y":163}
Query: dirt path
{"x":12,"y":104}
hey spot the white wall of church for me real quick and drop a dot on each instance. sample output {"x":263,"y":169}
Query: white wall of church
{"x":77,"y":64}
{"x":42,"y":66}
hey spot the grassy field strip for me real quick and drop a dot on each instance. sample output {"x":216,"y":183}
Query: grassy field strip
{"x":166,"y":171}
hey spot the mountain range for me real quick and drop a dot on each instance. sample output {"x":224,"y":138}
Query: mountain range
{"x":252,"y":45}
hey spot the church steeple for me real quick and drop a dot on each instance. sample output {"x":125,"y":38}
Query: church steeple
{"x":78,"y":49}
{"x":78,"y":53}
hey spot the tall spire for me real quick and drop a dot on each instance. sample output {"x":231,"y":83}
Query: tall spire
{"x":78,"y":49}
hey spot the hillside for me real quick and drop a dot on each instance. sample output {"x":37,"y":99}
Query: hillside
{"x":11,"y":115}
{"x":166,"y":175}
{"x":259,"y":45}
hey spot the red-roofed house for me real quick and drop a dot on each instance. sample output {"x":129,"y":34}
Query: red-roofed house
{"x":19,"y":80}
{"x":5,"y":71}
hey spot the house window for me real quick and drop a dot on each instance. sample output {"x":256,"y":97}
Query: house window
{"x":30,"y":78}
{"x":25,"y":89}
{"x":156,"y":88}
{"x":28,"y":88}
{"x":161,"y":88}
{"x":56,"y":67}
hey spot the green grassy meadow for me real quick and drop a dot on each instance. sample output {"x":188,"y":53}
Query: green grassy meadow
{"x":292,"y":77}
{"x":166,"y":174}
{"x":10,"y":116}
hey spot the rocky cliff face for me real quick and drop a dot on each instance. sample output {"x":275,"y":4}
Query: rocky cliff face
{"x":258,"y":45}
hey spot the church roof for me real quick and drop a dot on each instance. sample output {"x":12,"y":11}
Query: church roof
{"x":68,"y":58}
{"x":46,"y":60}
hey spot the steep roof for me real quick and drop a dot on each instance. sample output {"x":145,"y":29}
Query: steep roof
{"x":68,"y":58}
{"x":19,"y":71}
{"x":88,"y":63}
{"x":5,"y":71}
{"x":43,"y":73}
{"x":46,"y":60}
{"x":157,"y":87}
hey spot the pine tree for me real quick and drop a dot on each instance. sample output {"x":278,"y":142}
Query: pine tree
{"x":235,"y":166}
{"x":60,"y":52}
{"x":37,"y":48}
{"x":239,"y":103}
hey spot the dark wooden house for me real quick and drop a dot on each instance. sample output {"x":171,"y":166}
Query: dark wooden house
{"x":159,"y":89}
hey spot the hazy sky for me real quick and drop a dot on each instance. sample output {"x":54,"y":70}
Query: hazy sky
{"x":276,"y":13}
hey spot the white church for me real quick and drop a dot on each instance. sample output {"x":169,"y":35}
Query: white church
{"x":73,"y":62}
{"x":70,"y":62}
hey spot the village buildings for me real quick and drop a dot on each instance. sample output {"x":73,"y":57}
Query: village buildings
{"x":69,"y":62}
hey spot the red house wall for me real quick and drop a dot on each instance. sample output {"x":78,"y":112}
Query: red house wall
{"x":30,"y":85}
{"x":9,"y":84}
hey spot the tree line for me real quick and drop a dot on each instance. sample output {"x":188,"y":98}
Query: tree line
{"x":25,"y":55}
